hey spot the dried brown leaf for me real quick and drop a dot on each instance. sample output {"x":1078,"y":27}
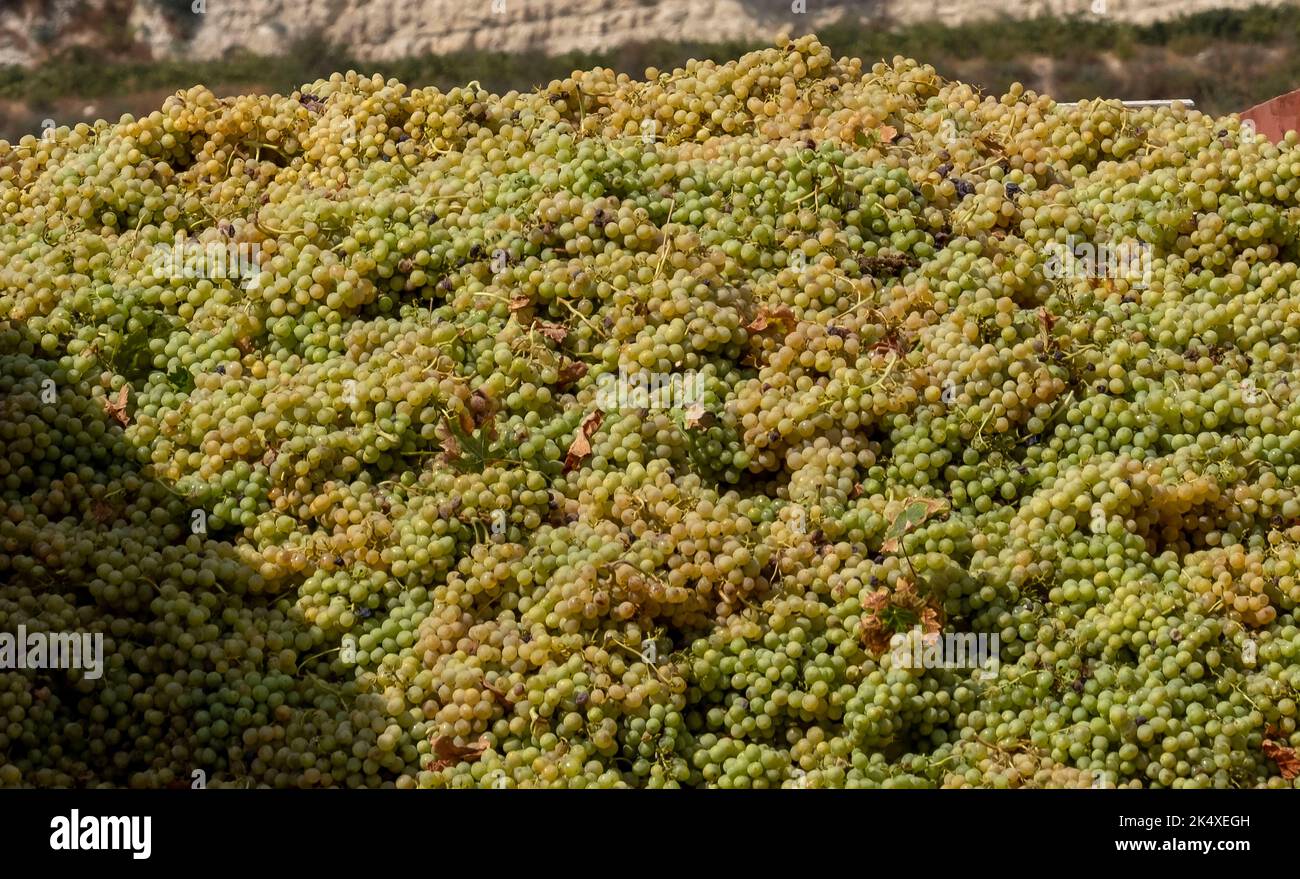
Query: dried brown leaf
{"x":481,"y":406}
{"x":580,"y":448}
{"x":557,"y":333}
{"x":876,"y":601}
{"x":1284,"y":756}
{"x":698,"y":416}
{"x":876,"y":632}
{"x":571,"y":372}
{"x":931,"y":620}
{"x":500,"y":694}
{"x":451,"y":450}
{"x":766,"y":317}
{"x":117,"y":409}
{"x":915,"y":510}
{"x":875,"y":636}
{"x":447,"y":749}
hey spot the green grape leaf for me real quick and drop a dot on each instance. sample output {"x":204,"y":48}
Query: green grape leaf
{"x":914,"y":512}
{"x":181,"y":379}
{"x":469,"y":447}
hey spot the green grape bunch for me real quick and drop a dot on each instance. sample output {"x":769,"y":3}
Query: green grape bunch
{"x":616,"y":434}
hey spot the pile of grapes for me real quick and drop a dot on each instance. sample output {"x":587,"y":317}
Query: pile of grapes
{"x":644,"y":432}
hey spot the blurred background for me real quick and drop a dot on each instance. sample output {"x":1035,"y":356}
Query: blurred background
{"x":77,"y":60}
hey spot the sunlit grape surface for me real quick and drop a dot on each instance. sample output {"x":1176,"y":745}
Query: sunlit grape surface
{"x":645,"y":432}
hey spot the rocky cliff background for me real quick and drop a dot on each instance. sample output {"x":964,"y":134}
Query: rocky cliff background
{"x":34,"y":31}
